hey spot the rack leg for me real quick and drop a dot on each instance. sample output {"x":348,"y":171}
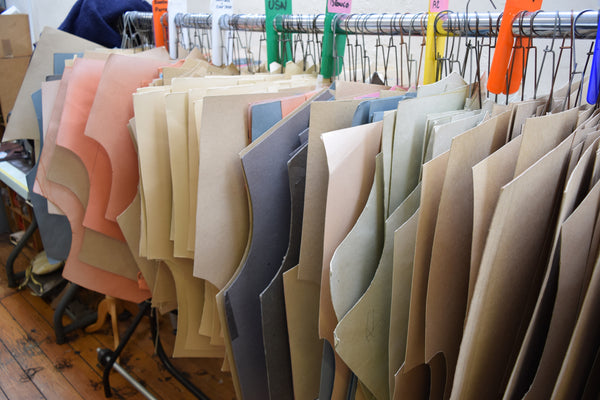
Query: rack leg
{"x":170,"y":367}
{"x":138,"y":386}
{"x":108,"y":358}
{"x":10,"y":273}
{"x":61,"y":330}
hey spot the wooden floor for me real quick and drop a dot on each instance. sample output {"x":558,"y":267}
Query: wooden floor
{"x":34,"y":366}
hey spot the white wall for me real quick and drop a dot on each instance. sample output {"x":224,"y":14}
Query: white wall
{"x":52,"y":12}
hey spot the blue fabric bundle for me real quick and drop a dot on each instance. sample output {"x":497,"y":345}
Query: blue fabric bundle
{"x":98,"y":20}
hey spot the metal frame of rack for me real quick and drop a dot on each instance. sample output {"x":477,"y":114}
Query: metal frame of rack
{"x":539,"y":24}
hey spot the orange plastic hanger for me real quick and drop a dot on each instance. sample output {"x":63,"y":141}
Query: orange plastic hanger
{"x":497,"y":81}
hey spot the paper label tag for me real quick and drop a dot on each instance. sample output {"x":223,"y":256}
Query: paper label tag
{"x":276,"y":50}
{"x":219,"y":8}
{"x":159,"y":7}
{"x":438,"y":5}
{"x":277,"y":5}
{"x":339,"y":6}
{"x":175,"y":7}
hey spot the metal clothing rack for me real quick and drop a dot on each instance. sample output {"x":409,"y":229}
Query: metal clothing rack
{"x":540,"y":24}
{"x":139,"y":18}
{"x":137,"y":30}
{"x":482,"y":26}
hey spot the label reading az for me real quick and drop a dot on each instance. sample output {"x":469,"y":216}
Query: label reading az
{"x":438,"y":5}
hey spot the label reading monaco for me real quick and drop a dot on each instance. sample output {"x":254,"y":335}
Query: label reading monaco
{"x":277,"y":4}
{"x":339,"y":6}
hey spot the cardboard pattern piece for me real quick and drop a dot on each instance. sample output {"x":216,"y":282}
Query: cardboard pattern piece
{"x":78,"y":102}
{"x":50,"y":136}
{"x":489,"y":176}
{"x":510,"y":260}
{"x":176,"y":109}
{"x":75,"y":270}
{"x":362,"y":336}
{"x":110,"y":113}
{"x":188,"y":342}
{"x":164,"y":294}
{"x":55,"y":230}
{"x":49,"y":92}
{"x":155,"y":169}
{"x":387,"y":143}
{"x":413,"y":359}
{"x":270,"y":199}
{"x":222,"y":205}
{"x":542,"y":134}
{"x":108,"y":254}
{"x":129,"y":221}
{"x":572,"y":285}
{"x":442,"y":135}
{"x":23,"y":123}
{"x":447,"y":291}
{"x":191,"y":292}
{"x":411,"y":116}
{"x":355,"y":261}
{"x":229,"y":362}
{"x":579,"y":360}
{"x":404,"y":252}
{"x":557,"y":127}
{"x":325,"y":117}
{"x":547,"y":311}
{"x":346,"y":90}
{"x":301,"y":283}
{"x":193,"y":148}
{"x":220,"y":296}
{"x":366,"y":109}
{"x":14,"y":58}
{"x":351,"y":164}
{"x":152,"y":143}
{"x":264,"y":116}
{"x":274,"y":324}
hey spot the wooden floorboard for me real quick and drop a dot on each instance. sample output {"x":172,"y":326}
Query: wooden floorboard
{"x":40,"y":370}
{"x":14,"y":382}
{"x":3,"y":395}
{"x":85,"y":378}
{"x":146,"y":368}
{"x":85,"y":346}
{"x":71,"y":370}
